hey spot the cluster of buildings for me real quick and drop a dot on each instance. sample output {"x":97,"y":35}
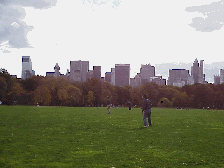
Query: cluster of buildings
{"x":120,"y":75}
{"x":219,"y":79}
{"x":181,"y":77}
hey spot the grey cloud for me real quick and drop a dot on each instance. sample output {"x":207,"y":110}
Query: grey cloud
{"x":12,"y":29}
{"x":214,"y":16}
{"x":6,"y":51}
{"x":39,"y":4}
{"x":102,"y":2}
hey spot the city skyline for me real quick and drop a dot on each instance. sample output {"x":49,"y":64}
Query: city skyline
{"x":141,"y":70}
{"x":109,"y":34}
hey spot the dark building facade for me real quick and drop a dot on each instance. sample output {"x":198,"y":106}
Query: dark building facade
{"x":122,"y":74}
{"x":108,"y":77}
{"x":178,"y":77}
{"x":97,"y":72}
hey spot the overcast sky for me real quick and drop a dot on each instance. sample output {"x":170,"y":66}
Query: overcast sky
{"x":109,"y":32}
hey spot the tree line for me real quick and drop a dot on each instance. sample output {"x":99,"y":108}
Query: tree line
{"x":50,"y":91}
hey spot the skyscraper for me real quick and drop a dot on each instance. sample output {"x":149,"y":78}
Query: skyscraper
{"x":216,"y":79}
{"x":97,"y":72}
{"x":221,"y":76}
{"x":26,"y":67}
{"x":56,"y":70}
{"x":102,"y":79}
{"x":197,"y":72}
{"x":147,"y":71}
{"x":108,"y":77}
{"x":78,"y":70}
{"x":122,"y":74}
{"x":89,"y":74}
{"x":138,"y":80}
{"x":112,"y":76}
{"x":178,"y":77}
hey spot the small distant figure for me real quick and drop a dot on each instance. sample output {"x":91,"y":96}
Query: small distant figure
{"x":187,"y":108}
{"x":129,"y":105}
{"x":0,"y":103}
{"x":146,"y":108}
{"x":108,"y":105}
{"x":38,"y":105}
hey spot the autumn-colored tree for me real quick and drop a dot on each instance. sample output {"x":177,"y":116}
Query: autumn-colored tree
{"x":94,"y":85}
{"x":180,"y":100}
{"x":42,"y":95}
{"x":136,"y":96}
{"x":107,"y":90}
{"x":203,"y":96}
{"x":3,"y":89}
{"x":151,"y":89}
{"x":167,"y":91}
{"x":6,"y":86}
{"x":90,"y":98}
{"x":164,"y":102}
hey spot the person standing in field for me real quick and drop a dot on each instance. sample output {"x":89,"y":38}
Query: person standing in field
{"x":129,"y":105}
{"x":108,"y":105}
{"x":146,"y":108}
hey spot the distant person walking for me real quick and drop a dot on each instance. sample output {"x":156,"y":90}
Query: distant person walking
{"x":108,"y":105}
{"x":146,"y":108}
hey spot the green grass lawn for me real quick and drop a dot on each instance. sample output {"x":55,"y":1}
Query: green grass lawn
{"x":89,"y":137}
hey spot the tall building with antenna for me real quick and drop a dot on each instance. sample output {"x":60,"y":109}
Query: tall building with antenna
{"x":27,"y":71}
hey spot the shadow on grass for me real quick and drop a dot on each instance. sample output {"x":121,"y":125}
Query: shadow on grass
{"x":140,"y":128}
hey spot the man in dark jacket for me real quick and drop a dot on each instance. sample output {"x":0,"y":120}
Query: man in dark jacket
{"x":146,"y":108}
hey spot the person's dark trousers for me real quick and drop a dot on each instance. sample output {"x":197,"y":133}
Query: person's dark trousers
{"x":149,"y":119}
{"x":147,"y":114}
{"x":129,"y":108}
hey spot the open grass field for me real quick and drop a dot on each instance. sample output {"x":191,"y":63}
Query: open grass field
{"x":89,"y":137}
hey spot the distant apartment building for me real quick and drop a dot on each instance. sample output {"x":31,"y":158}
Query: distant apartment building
{"x":136,"y":81}
{"x":147,"y":75}
{"x":219,"y":79}
{"x":122,"y":74}
{"x":97,"y":72}
{"x":27,"y":67}
{"x":112,"y":76}
{"x":56,"y":72}
{"x":216,"y":79}
{"x":49,"y":74}
{"x":14,"y":76}
{"x":158,"y":80}
{"x":221,"y":76}
{"x":178,"y":77}
{"x":89,"y":74}
{"x":78,"y":70}
{"x":132,"y":82}
{"x":147,"y":71}
{"x":102,"y":79}
{"x":197,"y":72}
{"x":108,"y":77}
